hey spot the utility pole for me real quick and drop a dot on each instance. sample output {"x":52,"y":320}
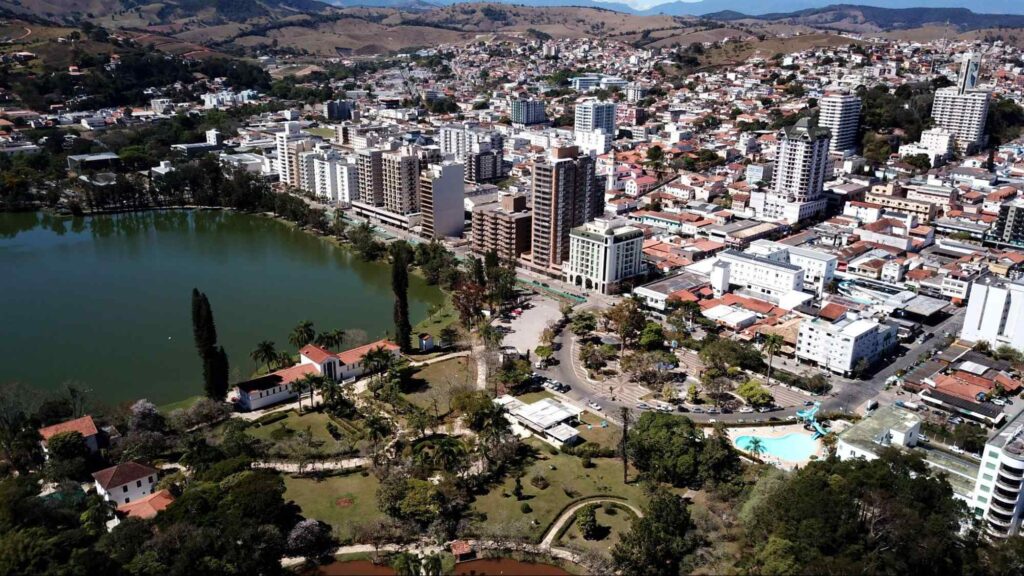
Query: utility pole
{"x":624,"y":411}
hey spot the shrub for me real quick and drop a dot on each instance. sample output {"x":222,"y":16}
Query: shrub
{"x":525,"y":508}
{"x":587,"y":463}
{"x":271,"y":418}
{"x":539,"y":482}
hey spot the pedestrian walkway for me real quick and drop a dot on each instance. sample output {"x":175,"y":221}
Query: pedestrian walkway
{"x":328,"y":465}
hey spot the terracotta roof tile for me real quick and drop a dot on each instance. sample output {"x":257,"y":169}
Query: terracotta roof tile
{"x":84,"y":426}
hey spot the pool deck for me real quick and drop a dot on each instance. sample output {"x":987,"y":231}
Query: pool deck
{"x":776,"y":432}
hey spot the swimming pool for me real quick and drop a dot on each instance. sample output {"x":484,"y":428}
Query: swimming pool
{"x":791,"y":447}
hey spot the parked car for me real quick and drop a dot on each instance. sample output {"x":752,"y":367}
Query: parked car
{"x":999,"y":402}
{"x":746,"y":410}
{"x":697,"y":410}
{"x":643,"y":406}
{"x":594,"y":405}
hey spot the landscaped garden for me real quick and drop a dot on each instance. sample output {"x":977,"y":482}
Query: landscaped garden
{"x":612,"y":520}
{"x":336,"y":435}
{"x":343,"y":501}
{"x":432,"y":387}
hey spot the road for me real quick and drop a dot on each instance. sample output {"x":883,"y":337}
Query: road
{"x":847,"y":394}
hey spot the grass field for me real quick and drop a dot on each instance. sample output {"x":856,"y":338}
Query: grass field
{"x":316,"y":422}
{"x":439,"y":382}
{"x":344,"y":502}
{"x":443,"y":317}
{"x":531,"y":397}
{"x":591,"y":431}
{"x":322,"y":132}
{"x":614,"y":524}
{"x":569,"y":481}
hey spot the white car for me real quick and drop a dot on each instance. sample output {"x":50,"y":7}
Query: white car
{"x":594,"y":405}
{"x":746,"y":410}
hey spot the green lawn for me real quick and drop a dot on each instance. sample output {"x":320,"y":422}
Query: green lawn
{"x":591,"y":431}
{"x":180,"y":404}
{"x":569,"y":481}
{"x":615,"y":524}
{"x":323,"y":132}
{"x":439,"y":381}
{"x":439,"y":320}
{"x":344,"y":502}
{"x":315,"y":421}
{"x":531,"y":397}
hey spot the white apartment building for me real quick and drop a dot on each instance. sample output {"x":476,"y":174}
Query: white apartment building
{"x":528,"y":111}
{"x":799,"y":175}
{"x":593,"y":115}
{"x":819,"y":267}
{"x":840,"y":346}
{"x":963,"y":114}
{"x":442,"y":195}
{"x":995,"y":313}
{"x":998,"y":494}
{"x":289,"y":144}
{"x":400,"y":171}
{"x":602,"y":254}
{"x":597,"y":141}
{"x":760,"y":275}
{"x":336,"y":178}
{"x":936,"y":143}
{"x":461,"y":140}
{"x":840,"y":113}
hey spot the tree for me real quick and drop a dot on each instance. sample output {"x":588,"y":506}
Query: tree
{"x":331,"y":340}
{"x":586,"y":522}
{"x":468,"y":301}
{"x":583,"y":323}
{"x":922,"y":162}
{"x":756,"y":447}
{"x":628,"y":320}
{"x":312,"y":540}
{"x":755,"y":394}
{"x":264,"y":353}
{"x":655,"y":158}
{"x":544,"y":352}
{"x":652,"y":337}
{"x":772,"y":344}
{"x":400,"y":261}
{"x":67,"y":453}
{"x":626,"y":418}
{"x":302,"y":334}
{"x":216,"y":370}
{"x":660,"y":543}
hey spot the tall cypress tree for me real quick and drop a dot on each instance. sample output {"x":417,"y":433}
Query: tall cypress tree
{"x":400,"y":261}
{"x":213,"y":357}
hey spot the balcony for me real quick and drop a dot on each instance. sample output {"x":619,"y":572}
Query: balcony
{"x":1001,"y":507}
{"x":1013,"y":487}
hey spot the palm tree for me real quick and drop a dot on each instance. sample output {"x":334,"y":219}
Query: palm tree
{"x":331,"y":339}
{"x":310,"y":382}
{"x":448,"y":454}
{"x":265,"y":353}
{"x":378,"y":360}
{"x":772,"y":344}
{"x":302,"y":334}
{"x":378,"y":428}
{"x":756,"y":447}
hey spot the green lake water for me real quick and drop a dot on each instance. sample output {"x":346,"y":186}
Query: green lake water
{"x":105,"y":301}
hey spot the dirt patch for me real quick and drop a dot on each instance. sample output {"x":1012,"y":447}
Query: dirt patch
{"x":344,"y":502}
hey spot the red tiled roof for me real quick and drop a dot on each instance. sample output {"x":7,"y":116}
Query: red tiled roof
{"x":315,"y":353}
{"x":356,"y":354}
{"x":122,"y":474}
{"x":84,"y":426}
{"x":832,"y":311}
{"x":147,"y":507}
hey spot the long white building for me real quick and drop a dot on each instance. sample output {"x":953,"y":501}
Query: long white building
{"x":840,"y":346}
{"x":995,"y":313}
{"x":760,"y":275}
{"x":819,"y":267}
{"x":602,"y":254}
{"x":840,"y":113}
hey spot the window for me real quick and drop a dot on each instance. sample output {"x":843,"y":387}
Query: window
{"x":982,"y":499}
{"x":138,"y":483}
{"x":991,"y":465}
{"x":985,"y":488}
{"x":987,"y":477}
{"x":150,"y":479}
{"x":124,"y":488}
{"x":126,"y":500}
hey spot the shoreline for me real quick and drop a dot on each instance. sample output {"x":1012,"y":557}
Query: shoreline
{"x":187,"y":400}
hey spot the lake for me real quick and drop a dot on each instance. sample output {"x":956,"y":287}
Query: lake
{"x":105,"y":301}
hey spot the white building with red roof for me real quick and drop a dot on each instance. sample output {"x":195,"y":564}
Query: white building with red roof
{"x":125,"y":482}
{"x":84,"y":426}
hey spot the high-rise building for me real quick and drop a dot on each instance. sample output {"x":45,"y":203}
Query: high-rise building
{"x":290,"y":143}
{"x":566,"y":194}
{"x":593,"y":115}
{"x":461,"y":140}
{"x":528,"y":111}
{"x":995,"y":313}
{"x":400,"y":169}
{"x":962,"y":109}
{"x":840,"y":113}
{"x":336,"y":178}
{"x":502,"y":227}
{"x":442,"y":190}
{"x":603,"y":254}
{"x":844,"y":346}
{"x":337,"y":110}
{"x":970,"y":69}
{"x":998,"y":492}
{"x":799,"y":175}
{"x":1008,"y":229}
{"x":369,"y":166}
{"x":484,"y":166}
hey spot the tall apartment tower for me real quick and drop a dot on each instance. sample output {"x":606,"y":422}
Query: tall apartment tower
{"x":337,"y":110}
{"x":290,"y":144}
{"x":566,"y":194}
{"x":998,"y":490}
{"x":593,"y":115}
{"x":799,"y":175}
{"x":442,"y":191}
{"x":401,"y":171}
{"x":370,"y":169}
{"x":840,"y":113}
{"x":528,"y":111}
{"x":962,"y":108}
{"x":502,"y":227}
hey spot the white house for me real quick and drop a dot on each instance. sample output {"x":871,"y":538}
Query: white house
{"x":84,"y":426}
{"x":345,"y":365}
{"x":125,"y":482}
{"x":271,"y":389}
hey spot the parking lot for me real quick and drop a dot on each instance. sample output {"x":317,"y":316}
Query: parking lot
{"x":524,"y":331}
